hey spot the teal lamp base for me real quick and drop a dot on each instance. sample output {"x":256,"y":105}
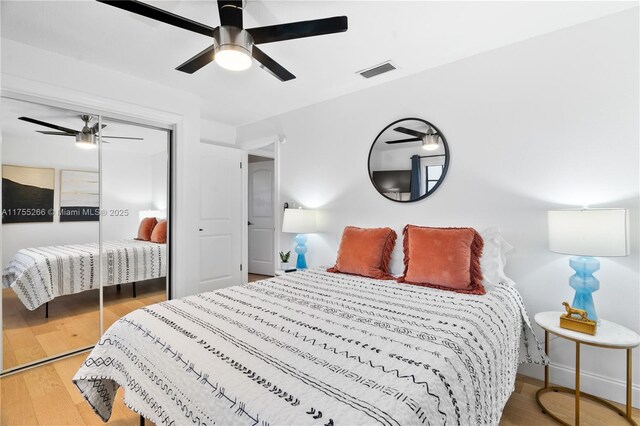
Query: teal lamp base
{"x":301,"y":249}
{"x":584,"y":283}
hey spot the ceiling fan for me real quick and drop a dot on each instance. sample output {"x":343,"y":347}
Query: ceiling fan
{"x":85,"y":138}
{"x":429,"y":140}
{"x":233,"y":46}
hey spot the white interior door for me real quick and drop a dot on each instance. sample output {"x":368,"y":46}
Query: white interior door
{"x":220,"y":217}
{"x":261,"y":221}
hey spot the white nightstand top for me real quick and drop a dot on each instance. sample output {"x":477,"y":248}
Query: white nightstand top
{"x":607,"y":334}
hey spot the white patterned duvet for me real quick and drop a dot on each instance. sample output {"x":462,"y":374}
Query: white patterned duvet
{"x":38,"y":275}
{"x":315,"y":348}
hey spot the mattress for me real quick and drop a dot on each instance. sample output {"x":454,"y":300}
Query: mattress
{"x":313,"y":347}
{"x":38,"y":275}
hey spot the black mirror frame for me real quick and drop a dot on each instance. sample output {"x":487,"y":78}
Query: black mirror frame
{"x":447,"y":160}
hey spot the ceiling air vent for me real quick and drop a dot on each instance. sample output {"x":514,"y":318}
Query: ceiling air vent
{"x":377,"y":69}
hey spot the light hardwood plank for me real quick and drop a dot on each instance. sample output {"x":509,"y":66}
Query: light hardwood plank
{"x":16,"y":407}
{"x":255,"y":277}
{"x":522,"y":409}
{"x":73,"y":320}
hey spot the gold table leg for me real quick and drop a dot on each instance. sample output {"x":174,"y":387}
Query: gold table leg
{"x":629,"y":382}
{"x":577,"y":416}
{"x":546,"y":351}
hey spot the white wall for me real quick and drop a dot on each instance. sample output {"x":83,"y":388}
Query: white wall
{"x":545,"y":123}
{"x":127,"y":184}
{"x":159,"y":173}
{"x":217,"y":133}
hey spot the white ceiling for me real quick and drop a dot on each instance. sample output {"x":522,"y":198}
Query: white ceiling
{"x":416,"y":35}
{"x":154,"y":141}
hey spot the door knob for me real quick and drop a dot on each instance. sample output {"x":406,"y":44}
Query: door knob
{"x":249,"y":223}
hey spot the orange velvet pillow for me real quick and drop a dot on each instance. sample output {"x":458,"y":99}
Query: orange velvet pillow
{"x":366,"y":252}
{"x":146,"y":228}
{"x":159,"y":234}
{"x":444,"y":258}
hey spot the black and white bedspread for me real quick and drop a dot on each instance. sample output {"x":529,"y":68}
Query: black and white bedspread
{"x":38,"y":275}
{"x":315,"y":348}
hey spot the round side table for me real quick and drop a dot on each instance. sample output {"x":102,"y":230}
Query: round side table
{"x":608,"y":335}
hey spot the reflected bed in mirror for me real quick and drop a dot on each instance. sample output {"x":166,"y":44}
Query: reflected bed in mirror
{"x":408,"y":160}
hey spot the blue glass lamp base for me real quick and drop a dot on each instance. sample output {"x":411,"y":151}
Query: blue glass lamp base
{"x":301,"y":249}
{"x":584,"y":283}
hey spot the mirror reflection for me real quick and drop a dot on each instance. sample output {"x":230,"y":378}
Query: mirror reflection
{"x":76,"y":189}
{"x":408,"y":160}
{"x":134,"y":217}
{"x":50,"y":232}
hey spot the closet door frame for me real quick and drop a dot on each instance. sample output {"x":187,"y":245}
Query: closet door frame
{"x":23,"y":90}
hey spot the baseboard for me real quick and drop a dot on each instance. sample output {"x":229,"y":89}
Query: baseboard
{"x":604,"y":387}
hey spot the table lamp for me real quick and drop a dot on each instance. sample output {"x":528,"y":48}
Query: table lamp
{"x":301,"y":222}
{"x":586,"y":233}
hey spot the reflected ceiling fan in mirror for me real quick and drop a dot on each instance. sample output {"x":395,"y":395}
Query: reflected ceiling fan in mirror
{"x":233,"y":45}
{"x":429,"y":140}
{"x":85,"y":138}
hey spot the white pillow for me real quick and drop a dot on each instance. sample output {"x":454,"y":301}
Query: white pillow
{"x":494,"y":257}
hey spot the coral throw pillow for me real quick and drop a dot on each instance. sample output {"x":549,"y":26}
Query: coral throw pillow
{"x":159,"y":234}
{"x":146,"y":228}
{"x":366,"y":252}
{"x":444,"y":258}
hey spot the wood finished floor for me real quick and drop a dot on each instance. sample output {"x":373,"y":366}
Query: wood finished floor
{"x":46,"y":396}
{"x":73,"y":320}
{"x":257,"y":277}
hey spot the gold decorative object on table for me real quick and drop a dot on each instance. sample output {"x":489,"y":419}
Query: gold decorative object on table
{"x":581,"y":323}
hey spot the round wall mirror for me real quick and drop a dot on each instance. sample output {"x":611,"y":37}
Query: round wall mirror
{"x":408,"y":160}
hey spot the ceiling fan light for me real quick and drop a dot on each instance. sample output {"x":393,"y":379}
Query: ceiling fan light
{"x":233,"y":58}
{"x":85,"y":140}
{"x":430,"y":142}
{"x":232,"y":48}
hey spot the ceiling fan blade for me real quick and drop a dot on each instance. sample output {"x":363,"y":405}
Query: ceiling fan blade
{"x":267,"y":63}
{"x":45,"y":132}
{"x":230,"y":12}
{"x":410,"y":132}
{"x":49,"y":125}
{"x":123,"y":137}
{"x":158,"y":14}
{"x":404,"y":140}
{"x":200,"y":60}
{"x":301,"y":29}
{"x":94,"y":129}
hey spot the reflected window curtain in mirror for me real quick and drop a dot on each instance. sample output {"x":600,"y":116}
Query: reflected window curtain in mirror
{"x":415,"y":177}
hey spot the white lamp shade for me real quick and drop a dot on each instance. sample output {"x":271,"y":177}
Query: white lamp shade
{"x":158,"y":214}
{"x":299,"y":221}
{"x":589,"y":232}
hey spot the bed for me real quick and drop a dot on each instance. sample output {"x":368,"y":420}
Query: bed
{"x":313,"y":347}
{"x":39,"y":275}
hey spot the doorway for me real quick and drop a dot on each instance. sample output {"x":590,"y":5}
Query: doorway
{"x":261,"y":214}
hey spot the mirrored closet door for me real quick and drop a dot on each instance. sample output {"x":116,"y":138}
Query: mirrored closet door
{"x":50,"y":233}
{"x":134,"y":223}
{"x":84,"y":227}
